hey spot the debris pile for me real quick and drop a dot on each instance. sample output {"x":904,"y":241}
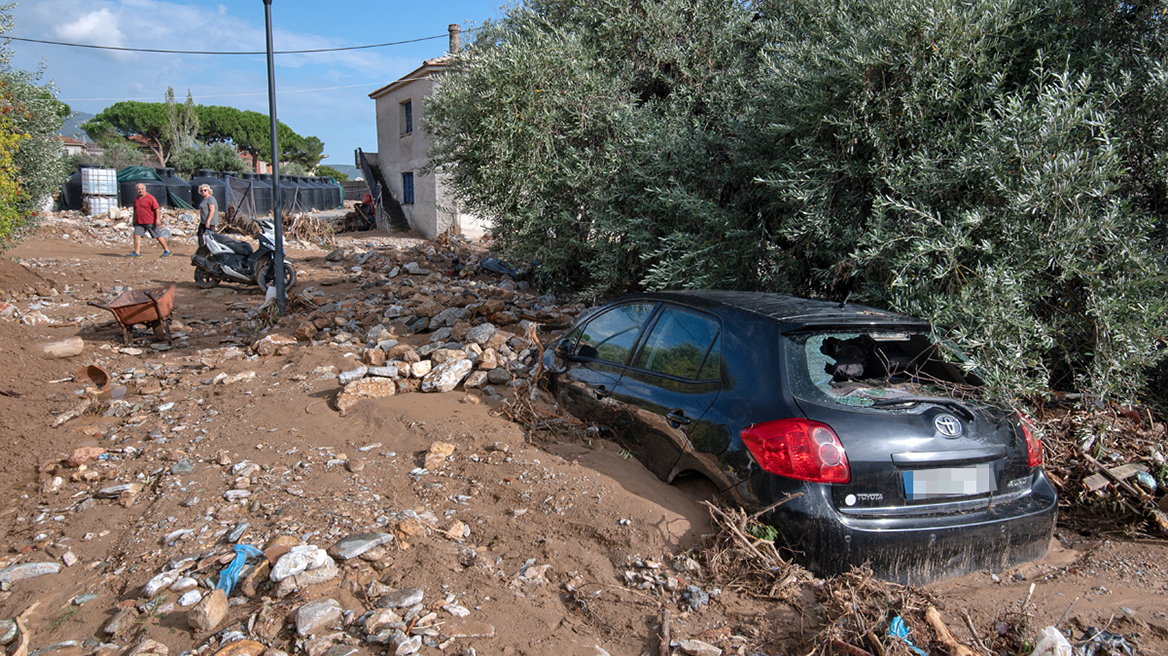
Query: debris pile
{"x":1110,"y":468}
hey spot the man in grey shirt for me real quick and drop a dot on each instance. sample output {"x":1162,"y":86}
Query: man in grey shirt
{"x":208,"y":213}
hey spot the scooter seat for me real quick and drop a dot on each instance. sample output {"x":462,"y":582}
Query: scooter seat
{"x":241,"y":247}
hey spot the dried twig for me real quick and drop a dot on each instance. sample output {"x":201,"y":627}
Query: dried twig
{"x":22,"y":647}
{"x":956,"y":648}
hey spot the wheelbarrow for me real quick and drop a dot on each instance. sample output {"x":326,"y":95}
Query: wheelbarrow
{"x":151,"y":307}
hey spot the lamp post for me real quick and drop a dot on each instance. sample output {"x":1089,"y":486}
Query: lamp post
{"x":277,"y":210}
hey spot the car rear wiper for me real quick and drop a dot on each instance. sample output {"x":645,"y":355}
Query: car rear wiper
{"x":956,"y":405}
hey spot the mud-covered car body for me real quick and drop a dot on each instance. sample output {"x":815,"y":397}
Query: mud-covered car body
{"x":859,"y":421}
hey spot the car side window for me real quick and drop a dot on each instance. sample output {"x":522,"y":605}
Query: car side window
{"x":612,"y":335}
{"x":679,"y":343}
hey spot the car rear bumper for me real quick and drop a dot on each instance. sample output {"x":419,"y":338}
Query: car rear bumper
{"x":920,"y":548}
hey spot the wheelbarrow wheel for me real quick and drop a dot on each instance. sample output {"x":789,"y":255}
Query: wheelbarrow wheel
{"x":205,"y":281}
{"x":265,"y":275}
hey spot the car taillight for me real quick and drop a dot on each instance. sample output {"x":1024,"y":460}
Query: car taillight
{"x":799,"y":448}
{"x":1033,"y":444}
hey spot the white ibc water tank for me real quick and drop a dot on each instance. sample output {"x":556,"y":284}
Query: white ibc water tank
{"x":99,"y":182}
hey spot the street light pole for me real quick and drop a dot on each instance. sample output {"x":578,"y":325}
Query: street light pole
{"x":277,"y":211}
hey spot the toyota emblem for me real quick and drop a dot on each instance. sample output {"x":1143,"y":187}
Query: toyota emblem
{"x":948,"y":426}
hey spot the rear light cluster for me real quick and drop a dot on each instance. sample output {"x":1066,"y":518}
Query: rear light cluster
{"x":799,"y":448}
{"x":1033,"y":444}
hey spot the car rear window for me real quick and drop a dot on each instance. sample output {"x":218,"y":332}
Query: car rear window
{"x":857,"y":368}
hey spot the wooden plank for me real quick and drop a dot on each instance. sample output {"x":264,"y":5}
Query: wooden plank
{"x":1124,"y":472}
{"x":1096,"y":482}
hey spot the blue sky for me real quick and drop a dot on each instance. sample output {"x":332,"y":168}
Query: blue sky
{"x":325,"y":95}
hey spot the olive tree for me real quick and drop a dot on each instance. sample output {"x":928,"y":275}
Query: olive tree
{"x":998,"y":167}
{"x":31,"y":157}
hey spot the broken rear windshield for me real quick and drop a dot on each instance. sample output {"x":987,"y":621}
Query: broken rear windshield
{"x":860,"y":368}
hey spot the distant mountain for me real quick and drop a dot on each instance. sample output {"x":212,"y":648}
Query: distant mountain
{"x":72,"y":127}
{"x":348,"y":169}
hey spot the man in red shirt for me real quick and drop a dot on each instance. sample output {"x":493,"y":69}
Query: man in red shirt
{"x":147,"y":221}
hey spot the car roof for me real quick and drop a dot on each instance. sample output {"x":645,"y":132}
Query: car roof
{"x":790,"y":310}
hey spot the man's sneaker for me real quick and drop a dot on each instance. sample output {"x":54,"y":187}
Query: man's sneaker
{"x":165,"y":254}
{"x":134,"y":255}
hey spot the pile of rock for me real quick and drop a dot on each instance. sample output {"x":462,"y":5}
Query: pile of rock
{"x":477,"y":334}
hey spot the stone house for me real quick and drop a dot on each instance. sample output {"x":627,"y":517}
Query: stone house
{"x":402,"y":142}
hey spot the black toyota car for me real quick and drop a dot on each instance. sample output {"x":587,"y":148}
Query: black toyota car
{"x":867,"y":426}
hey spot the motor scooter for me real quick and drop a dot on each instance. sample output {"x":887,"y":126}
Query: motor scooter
{"x":223,"y":259}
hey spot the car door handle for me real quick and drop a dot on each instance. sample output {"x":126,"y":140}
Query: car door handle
{"x":602,"y":392}
{"x":677,"y":417}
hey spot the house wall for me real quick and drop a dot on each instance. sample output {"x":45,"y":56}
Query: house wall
{"x":433,"y":211}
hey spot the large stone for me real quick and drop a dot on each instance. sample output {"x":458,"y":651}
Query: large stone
{"x":448,"y":316}
{"x":160,"y":582}
{"x":65,"y":348}
{"x":299,"y":559}
{"x":122,"y":621}
{"x":390,"y":371}
{"x":437,"y":455}
{"x":316,"y":616}
{"x":8,"y":627}
{"x":305,"y":579}
{"x":396,"y":352}
{"x":273,"y":344}
{"x":368,"y":388}
{"x":243,"y":648}
{"x":380,"y":619}
{"x":149,"y":647}
{"x":698,"y":648}
{"x":442,"y":335}
{"x":445,"y":377}
{"x":27,"y":571}
{"x":476,"y":380}
{"x":357,"y":544}
{"x":481,"y":334}
{"x":444,"y":355}
{"x":85,"y":455}
{"x":488,"y":360}
{"x":306,"y":331}
{"x":346,"y":377}
{"x":374,"y":357}
{"x":403,"y":598}
{"x":116,"y":491}
{"x":415,"y":269}
{"x":209,"y":612}
{"x":499,"y":376}
{"x":421,"y":369}
{"x":428,"y":309}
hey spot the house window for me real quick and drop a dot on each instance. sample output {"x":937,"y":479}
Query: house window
{"x":407,"y":188}
{"x":407,"y":117}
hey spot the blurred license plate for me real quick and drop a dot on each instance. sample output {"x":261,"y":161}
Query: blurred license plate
{"x":948,"y":482}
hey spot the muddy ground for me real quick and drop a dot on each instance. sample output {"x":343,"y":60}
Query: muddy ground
{"x":520,"y":543}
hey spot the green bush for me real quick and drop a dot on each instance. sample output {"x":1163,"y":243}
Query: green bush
{"x":30,"y":147}
{"x":998,"y":167}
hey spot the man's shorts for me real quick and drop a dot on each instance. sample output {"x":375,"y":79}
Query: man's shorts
{"x":150,"y":229}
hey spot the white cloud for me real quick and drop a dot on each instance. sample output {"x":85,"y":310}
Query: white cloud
{"x":96,"y":27}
